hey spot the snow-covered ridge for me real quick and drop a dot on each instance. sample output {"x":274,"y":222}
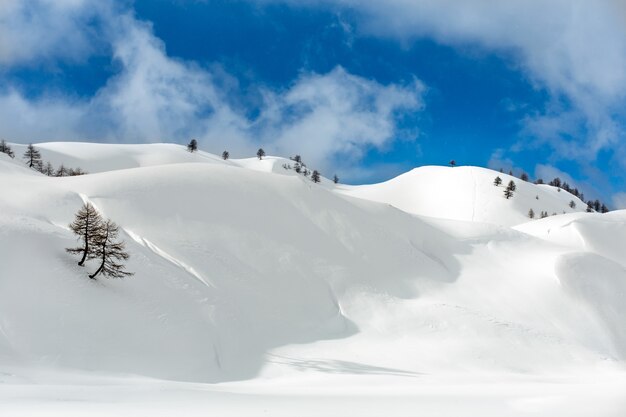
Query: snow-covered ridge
{"x":461,"y":193}
{"x":467,"y":193}
{"x":245,"y":271}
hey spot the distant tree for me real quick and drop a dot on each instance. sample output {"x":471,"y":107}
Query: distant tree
{"x":531,"y":214}
{"x":306,"y":172}
{"x":556,"y":182}
{"x":537,"y":197}
{"x":297,"y":167}
{"x":566,"y":187}
{"x":5,"y":148}
{"x":87,"y":225}
{"x":597,"y":205}
{"x":497,"y":181}
{"x":110,"y":252}
{"x":589,"y":206}
{"x":297,"y":158}
{"x":510,"y":172}
{"x":539,"y":181}
{"x":512,"y":185}
{"x":335,"y":179}
{"x":61,"y":171}
{"x":604,"y":209}
{"x":48,"y":169}
{"x":72,"y":172}
{"x":33,"y":157}
{"x":315,"y":176}
{"x":524,"y":176}
{"x":453,"y":163}
{"x":192,"y":146}
{"x":582,"y":197}
{"x":501,"y":171}
{"x":225,"y":155}
{"x":544,"y":214}
{"x":508,"y":192}
{"x":260,"y":153}
{"x":572,"y":204}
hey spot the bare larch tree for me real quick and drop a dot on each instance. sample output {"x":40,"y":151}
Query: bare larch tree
{"x":33,"y":157}
{"x":110,"y":252}
{"x":87,"y":225}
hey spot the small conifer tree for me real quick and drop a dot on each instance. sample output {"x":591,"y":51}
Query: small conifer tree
{"x":192,"y":146}
{"x":335,"y":179}
{"x":61,"y":171}
{"x":315,"y":176}
{"x":260,"y":153}
{"x":5,"y":148}
{"x":225,"y":155}
{"x":531,"y":213}
{"x":110,"y":252}
{"x":508,"y":192}
{"x":33,"y":157}
{"x":48,"y":169}
{"x":497,"y":181}
{"x":87,"y":225}
{"x":597,"y":206}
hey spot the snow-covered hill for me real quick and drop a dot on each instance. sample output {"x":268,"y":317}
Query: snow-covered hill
{"x":467,"y":193}
{"x":249,"y":273}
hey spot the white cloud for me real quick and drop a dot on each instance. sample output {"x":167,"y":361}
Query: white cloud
{"x":42,"y":29}
{"x":157,"y":98}
{"x":575,"y":49}
{"x":549,"y":172}
{"x":337,"y":113}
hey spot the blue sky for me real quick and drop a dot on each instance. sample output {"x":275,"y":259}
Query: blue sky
{"x":361,"y":89}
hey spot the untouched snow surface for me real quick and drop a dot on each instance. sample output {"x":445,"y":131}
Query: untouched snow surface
{"x":258,"y":292}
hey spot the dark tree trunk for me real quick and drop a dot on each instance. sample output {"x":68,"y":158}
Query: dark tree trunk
{"x":104,"y":256}
{"x":82,"y":261}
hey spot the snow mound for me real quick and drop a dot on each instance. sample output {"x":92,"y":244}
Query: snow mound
{"x":100,"y":157}
{"x":466,"y":193}
{"x":603,"y":234}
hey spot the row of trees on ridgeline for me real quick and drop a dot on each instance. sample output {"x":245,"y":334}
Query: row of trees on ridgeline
{"x":592,"y":205}
{"x":298,"y":166}
{"x":32,"y":158}
{"x":511,"y":187}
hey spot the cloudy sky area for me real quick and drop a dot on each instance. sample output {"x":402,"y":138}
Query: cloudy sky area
{"x":363,"y":88}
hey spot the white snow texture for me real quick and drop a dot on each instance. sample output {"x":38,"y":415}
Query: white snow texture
{"x":256,"y":289}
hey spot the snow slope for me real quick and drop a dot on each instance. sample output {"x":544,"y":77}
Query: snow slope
{"x":269,"y":287}
{"x":467,"y":193}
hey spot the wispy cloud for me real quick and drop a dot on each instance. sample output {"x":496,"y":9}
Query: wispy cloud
{"x":573,"y":49}
{"x":327,"y":118}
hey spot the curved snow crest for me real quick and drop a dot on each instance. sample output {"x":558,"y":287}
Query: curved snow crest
{"x":466,"y":193}
{"x":163,"y":254}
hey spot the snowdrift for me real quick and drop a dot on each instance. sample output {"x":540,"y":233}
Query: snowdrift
{"x":245,"y":270}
